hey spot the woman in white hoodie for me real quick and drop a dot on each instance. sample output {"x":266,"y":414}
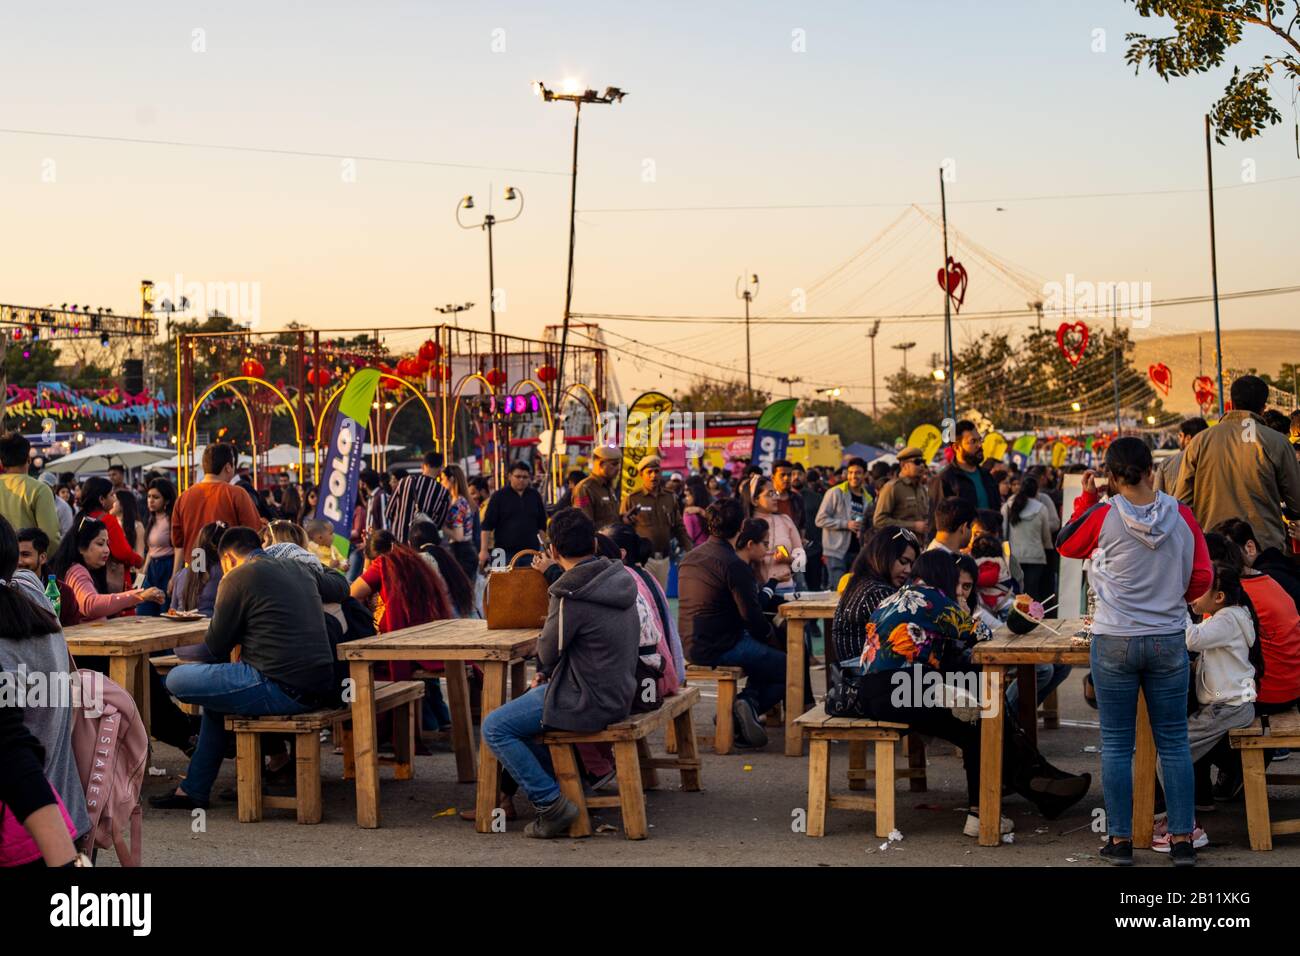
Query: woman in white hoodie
{"x":1028,"y":529}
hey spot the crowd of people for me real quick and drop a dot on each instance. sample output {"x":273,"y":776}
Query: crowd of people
{"x":1191,"y":567}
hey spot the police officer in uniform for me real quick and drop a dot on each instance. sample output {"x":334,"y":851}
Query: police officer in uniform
{"x":653,"y":511}
{"x":597,"y":495}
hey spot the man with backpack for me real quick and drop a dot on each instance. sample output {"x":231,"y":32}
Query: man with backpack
{"x":273,"y":609}
{"x":586,"y":669}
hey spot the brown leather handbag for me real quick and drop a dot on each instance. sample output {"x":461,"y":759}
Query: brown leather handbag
{"x":516,"y":597}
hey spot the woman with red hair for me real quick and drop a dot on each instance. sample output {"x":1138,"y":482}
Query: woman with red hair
{"x":405,"y":592}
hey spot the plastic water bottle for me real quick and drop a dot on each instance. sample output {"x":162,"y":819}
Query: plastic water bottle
{"x":52,"y":592}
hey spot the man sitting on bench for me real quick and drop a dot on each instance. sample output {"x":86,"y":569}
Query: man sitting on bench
{"x":273,"y":609}
{"x":586,"y":669}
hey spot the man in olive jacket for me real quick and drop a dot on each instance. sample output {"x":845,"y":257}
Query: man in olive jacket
{"x":1241,"y":468}
{"x":586,"y":668}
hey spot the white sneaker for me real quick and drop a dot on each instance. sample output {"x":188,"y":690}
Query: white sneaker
{"x":972,"y":828}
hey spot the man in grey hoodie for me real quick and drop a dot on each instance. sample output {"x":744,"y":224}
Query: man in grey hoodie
{"x":586,"y":669}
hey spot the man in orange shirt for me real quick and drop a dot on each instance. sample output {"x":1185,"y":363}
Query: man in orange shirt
{"x":212,"y":499}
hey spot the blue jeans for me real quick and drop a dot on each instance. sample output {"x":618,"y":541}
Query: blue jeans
{"x":223,"y":689}
{"x":1156,"y":663}
{"x":764,"y":672}
{"x":511,"y":732}
{"x":356,"y":563}
{"x":836,"y":568}
{"x":1047,"y":677}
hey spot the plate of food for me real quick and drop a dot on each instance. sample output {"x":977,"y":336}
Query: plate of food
{"x":175,"y":615}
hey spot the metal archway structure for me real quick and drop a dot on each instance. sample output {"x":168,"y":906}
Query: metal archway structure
{"x":550,"y":425}
{"x":334,"y":397}
{"x":186,"y":448}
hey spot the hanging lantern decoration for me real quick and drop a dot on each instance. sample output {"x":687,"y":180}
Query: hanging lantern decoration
{"x":404,"y":368}
{"x":387,"y":380}
{"x":496,"y":378}
{"x":430,"y":351}
{"x":546,"y":374}
{"x":953,"y":280}
{"x":252,"y":368}
{"x":319,"y":376}
{"x":1072,"y":340}
{"x":420,"y":366}
{"x":1203,"y":388}
{"x":441,"y":372}
{"x":1161,"y":377}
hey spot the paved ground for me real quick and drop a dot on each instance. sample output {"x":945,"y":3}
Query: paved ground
{"x":743,"y":816}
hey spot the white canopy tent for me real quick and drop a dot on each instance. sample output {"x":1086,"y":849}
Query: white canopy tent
{"x":97,"y":456}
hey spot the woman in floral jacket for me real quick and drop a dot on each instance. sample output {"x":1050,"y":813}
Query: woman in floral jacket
{"x":918,"y":645}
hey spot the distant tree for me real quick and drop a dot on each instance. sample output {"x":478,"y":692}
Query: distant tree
{"x":1204,"y":31}
{"x":709,"y":395}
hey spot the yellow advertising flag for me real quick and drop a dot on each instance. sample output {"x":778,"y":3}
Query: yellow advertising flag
{"x":995,"y":446}
{"x":642,"y":434}
{"x":1059,"y":451}
{"x":927,"y":438}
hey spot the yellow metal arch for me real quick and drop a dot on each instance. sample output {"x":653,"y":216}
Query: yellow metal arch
{"x":455,"y":408}
{"x":591,"y":397}
{"x":183,"y":468}
{"x":334,"y":395}
{"x":185,"y":449}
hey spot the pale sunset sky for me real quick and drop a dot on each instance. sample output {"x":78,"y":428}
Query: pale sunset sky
{"x":722,"y":111}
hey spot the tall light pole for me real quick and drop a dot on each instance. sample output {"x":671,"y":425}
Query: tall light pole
{"x":486,"y":224}
{"x":1214,"y":266}
{"x":747,"y":289}
{"x":790,"y":382}
{"x":454,"y":311}
{"x":947,"y":305}
{"x":573,"y":92}
{"x":875,"y":330}
{"x":904,"y":347}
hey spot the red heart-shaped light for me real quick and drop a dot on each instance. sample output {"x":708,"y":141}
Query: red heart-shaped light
{"x":1073,"y":353}
{"x":1161,"y":377}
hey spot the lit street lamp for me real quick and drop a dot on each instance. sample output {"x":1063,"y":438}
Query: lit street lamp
{"x":575,"y":93}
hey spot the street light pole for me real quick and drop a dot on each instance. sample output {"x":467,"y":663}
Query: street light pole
{"x":875,"y":330}
{"x":1214,"y":265}
{"x":573,"y":93}
{"x":486,"y":224}
{"x":790,"y":382}
{"x":454,"y":311}
{"x":743,"y":291}
{"x":904,"y":347}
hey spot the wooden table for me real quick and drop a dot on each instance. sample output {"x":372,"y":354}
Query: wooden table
{"x":1041,"y":646}
{"x":456,"y":643}
{"x":795,"y":613}
{"x":127,"y":642}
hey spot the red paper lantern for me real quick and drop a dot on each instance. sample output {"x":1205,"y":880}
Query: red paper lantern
{"x":430,"y":351}
{"x":547,"y":373}
{"x":496,"y":378}
{"x":319,"y":376}
{"x":442,"y":372}
{"x":252,"y":368}
{"x":421,"y":366}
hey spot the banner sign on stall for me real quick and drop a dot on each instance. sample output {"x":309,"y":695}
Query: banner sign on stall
{"x":338,"y":492}
{"x":1021,"y":449}
{"x":1059,"y":451}
{"x":772,"y":433}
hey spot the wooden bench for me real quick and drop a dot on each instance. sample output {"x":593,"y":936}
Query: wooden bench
{"x":1274,"y":732}
{"x":637,"y":768}
{"x":397,"y":696}
{"x":820,"y":730}
{"x":1049,"y":710}
{"x":723,"y":738}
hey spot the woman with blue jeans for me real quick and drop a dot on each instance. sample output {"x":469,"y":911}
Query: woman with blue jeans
{"x":1148,"y":560}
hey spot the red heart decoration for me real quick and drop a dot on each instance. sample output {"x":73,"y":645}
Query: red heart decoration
{"x":952,"y":280}
{"x":1072,"y":355}
{"x":1203,"y":387}
{"x":1161,"y":377}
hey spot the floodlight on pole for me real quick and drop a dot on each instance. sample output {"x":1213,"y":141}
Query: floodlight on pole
{"x":573,"y":93}
{"x":904,"y":347}
{"x":747,"y":289}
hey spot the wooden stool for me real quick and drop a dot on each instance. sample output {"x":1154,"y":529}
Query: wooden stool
{"x":820,"y":730}
{"x":397,"y":696}
{"x":723,"y":738}
{"x":631,"y":757}
{"x":1282,"y":731}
